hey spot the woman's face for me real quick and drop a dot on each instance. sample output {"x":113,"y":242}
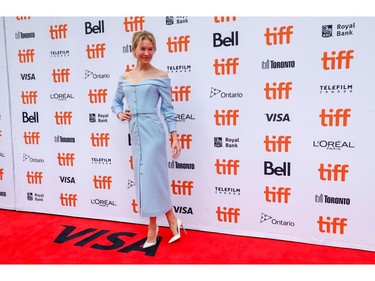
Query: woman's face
{"x":144,"y":51}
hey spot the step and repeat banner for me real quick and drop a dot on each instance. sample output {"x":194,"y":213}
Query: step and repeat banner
{"x":274,"y":119}
{"x":7,"y":200}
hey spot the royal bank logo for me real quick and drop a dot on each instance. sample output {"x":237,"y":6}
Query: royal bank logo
{"x":93,"y":75}
{"x":176,"y":20}
{"x":226,"y":142}
{"x":38,"y":197}
{"x":327,"y":31}
{"x":98,"y":118}
{"x":338,"y":30}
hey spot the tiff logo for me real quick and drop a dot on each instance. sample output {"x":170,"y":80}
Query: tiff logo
{"x":181,"y":93}
{"x":61,"y":75}
{"x":227,"y":167}
{"x":63,"y":117}
{"x":336,"y":61}
{"x":278,"y":91}
{"x":226,"y":117}
{"x":68,"y":200}
{"x":102,"y":182}
{"x":332,"y":225}
{"x":132,"y":24}
{"x":65,"y":159}
{"x":1,"y":174}
{"x":185,"y":140}
{"x":182,"y":188}
{"x":228,"y":214}
{"x":224,"y":19}
{"x":129,"y":67}
{"x":34,"y":177}
{"x":277,"y":194}
{"x":29,"y":97}
{"x":99,"y":139}
{"x":226,"y":66}
{"x":335,"y":118}
{"x":26,"y":56}
{"x":278,"y":35}
{"x":178,"y":45}
{"x":277,"y":144}
{"x":95,"y":51}
{"x":58,"y":31}
{"x":336,"y":173}
{"x":134,"y":206}
{"x":31,"y":137}
{"x":98,"y":95}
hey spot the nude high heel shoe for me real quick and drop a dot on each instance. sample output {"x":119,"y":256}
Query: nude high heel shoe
{"x":178,"y":235}
{"x":150,"y":244}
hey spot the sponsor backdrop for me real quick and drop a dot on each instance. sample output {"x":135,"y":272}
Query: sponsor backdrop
{"x":274,"y":118}
{"x":7,"y":200}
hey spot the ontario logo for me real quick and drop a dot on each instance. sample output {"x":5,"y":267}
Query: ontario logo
{"x":224,"y":95}
{"x":267,"y":218}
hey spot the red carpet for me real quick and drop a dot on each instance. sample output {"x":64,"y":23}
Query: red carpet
{"x":33,"y":238}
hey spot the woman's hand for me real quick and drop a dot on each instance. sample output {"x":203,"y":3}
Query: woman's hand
{"x":124,"y":116}
{"x":176,"y":148}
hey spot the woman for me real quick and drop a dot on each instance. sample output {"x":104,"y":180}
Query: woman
{"x":143,"y":87}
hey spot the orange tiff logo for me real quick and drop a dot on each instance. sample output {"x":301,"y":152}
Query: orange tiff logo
{"x":61,"y":75}
{"x":277,"y":143}
{"x":335,"y":118}
{"x":102,"y":182}
{"x":29,"y":97}
{"x":225,"y":214}
{"x":63,"y":117}
{"x":224,"y":19}
{"x":335,"y":172}
{"x":58,"y":31}
{"x":278,"y":91}
{"x":134,"y":206}
{"x":185,"y":140}
{"x":178,"y":44}
{"x":31,"y":137}
{"x":1,"y":174}
{"x":68,"y":200}
{"x":26,"y":56}
{"x":132,"y":24}
{"x":34,"y":177}
{"x":226,"y":66}
{"x":98,"y":95}
{"x":338,"y":60}
{"x":95,"y":51}
{"x":332,"y":225}
{"x":99,"y":139}
{"x":279,"y":35}
{"x":180,"y":93}
{"x":226,"y":117}
{"x":227,"y":167}
{"x":65,"y":159}
{"x":277,"y":194}
{"x":182,"y":188}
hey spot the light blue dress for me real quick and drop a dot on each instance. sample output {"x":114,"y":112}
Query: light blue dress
{"x":148,"y":140}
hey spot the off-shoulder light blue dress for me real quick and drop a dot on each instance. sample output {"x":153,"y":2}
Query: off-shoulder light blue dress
{"x":148,"y":140}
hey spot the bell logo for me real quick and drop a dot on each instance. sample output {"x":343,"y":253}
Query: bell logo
{"x":68,"y":200}
{"x":31,"y":137}
{"x":226,"y":66}
{"x":134,"y":206}
{"x":34,"y":177}
{"x":61,"y":75}
{"x":99,"y":139}
{"x":228,"y":214}
{"x":224,"y":19}
{"x":98,"y":95}
{"x":278,"y":35}
{"x":182,"y":188}
{"x":58,"y":31}
{"x":332,"y":225}
{"x":277,"y":194}
{"x":29,"y":97}
{"x":102,"y":182}
{"x":335,"y":118}
{"x":26,"y":56}
{"x":132,"y":24}
{"x":277,"y":144}
{"x":226,"y":118}
{"x":280,"y":91}
{"x":1,"y":174}
{"x":65,"y":159}
{"x":63,"y":118}
{"x":336,"y":173}
{"x":335,"y":61}
{"x":181,"y":93}
{"x":95,"y":51}
{"x":178,"y":45}
{"x":227,"y":168}
{"x":184,"y":139}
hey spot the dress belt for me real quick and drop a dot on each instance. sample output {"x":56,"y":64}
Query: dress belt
{"x":143,"y":110}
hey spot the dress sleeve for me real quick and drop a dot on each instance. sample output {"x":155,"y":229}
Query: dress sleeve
{"x":167,"y":109}
{"x":117,"y":103}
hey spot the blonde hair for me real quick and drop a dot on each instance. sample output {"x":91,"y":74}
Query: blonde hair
{"x":142,"y":35}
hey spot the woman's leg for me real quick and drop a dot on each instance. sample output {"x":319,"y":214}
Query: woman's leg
{"x":152,"y":230}
{"x":172,"y":221}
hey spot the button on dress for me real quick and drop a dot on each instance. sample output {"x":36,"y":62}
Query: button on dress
{"x":148,"y":140}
